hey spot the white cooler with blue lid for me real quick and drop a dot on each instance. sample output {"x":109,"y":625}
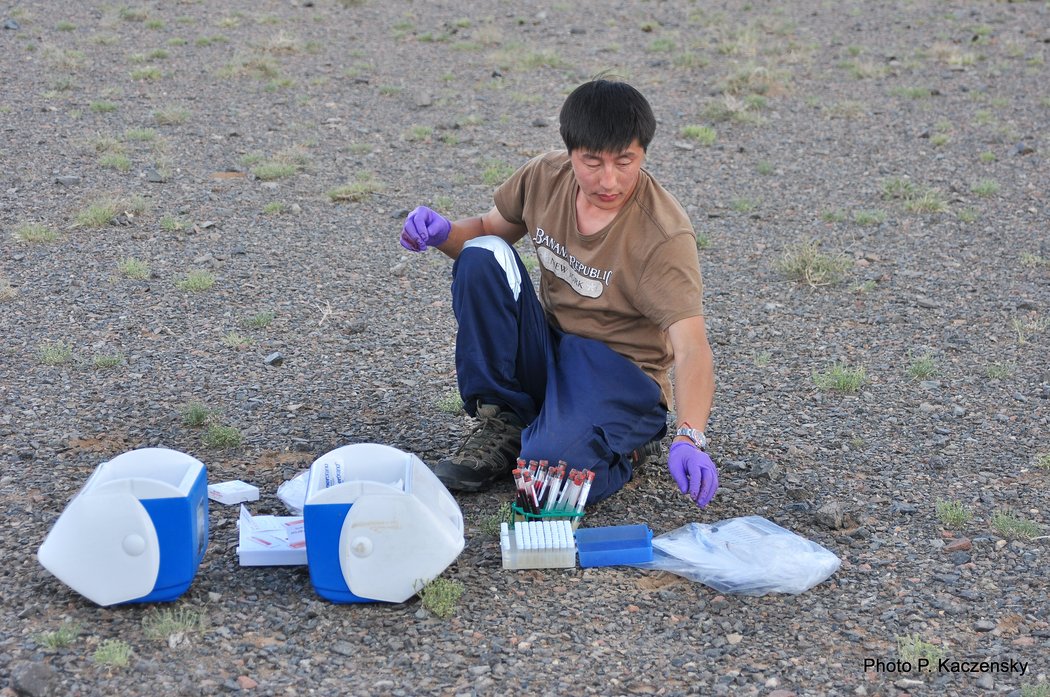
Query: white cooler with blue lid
{"x":378,"y":524}
{"x":135,"y":532}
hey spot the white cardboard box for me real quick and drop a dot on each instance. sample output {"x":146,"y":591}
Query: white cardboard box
{"x":233,"y":492}
{"x":269,"y":540}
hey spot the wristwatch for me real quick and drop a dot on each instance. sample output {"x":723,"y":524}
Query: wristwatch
{"x":693,"y":434}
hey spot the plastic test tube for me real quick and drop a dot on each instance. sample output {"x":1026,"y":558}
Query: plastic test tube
{"x":585,"y":491}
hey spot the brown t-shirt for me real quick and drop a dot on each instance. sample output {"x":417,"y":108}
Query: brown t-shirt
{"x":624,"y":285}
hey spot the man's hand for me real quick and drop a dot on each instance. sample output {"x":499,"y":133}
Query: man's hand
{"x":693,"y":472}
{"x":424,"y":228}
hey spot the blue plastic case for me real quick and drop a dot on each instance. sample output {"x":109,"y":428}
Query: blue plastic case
{"x":617,"y":544}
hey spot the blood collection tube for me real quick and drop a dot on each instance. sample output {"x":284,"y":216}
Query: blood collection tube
{"x":554,"y":488}
{"x":585,"y":491}
{"x":530,"y":492}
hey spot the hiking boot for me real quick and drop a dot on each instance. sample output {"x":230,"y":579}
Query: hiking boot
{"x":488,"y":453}
{"x":642,"y":455}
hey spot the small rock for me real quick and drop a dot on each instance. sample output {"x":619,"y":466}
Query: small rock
{"x":154,"y":176}
{"x":907,"y":683}
{"x":781,"y":693}
{"x":344,"y":648}
{"x":986,"y":682}
{"x":1023,"y":149}
{"x":734,"y":639}
{"x":963,"y":544}
{"x":929,"y":304}
{"x":214,"y":597}
{"x":764,"y":469}
{"x":983,"y":626}
{"x":11,"y":24}
{"x":539,"y":122}
{"x":68,"y":180}
{"x":424,"y":100}
{"x":834,"y":516}
{"x":33,"y":679}
{"x":960,"y":558}
{"x":901,"y":507}
{"x":246,"y":683}
{"x":275,"y":359}
{"x":958,"y":411}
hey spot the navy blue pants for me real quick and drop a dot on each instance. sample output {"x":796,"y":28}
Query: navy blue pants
{"x":582,"y":402}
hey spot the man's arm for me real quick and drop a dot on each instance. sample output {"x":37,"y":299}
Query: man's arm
{"x":490,"y":223}
{"x":694,"y":372}
{"x":692,"y":470}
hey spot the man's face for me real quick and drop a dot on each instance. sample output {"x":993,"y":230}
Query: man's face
{"x":607,"y":179}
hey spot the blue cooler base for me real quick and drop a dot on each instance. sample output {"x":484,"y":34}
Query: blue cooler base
{"x":182,"y":534}
{"x":618,"y":544}
{"x":324,"y":524}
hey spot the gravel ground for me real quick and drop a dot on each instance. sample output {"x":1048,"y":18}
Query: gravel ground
{"x":907,"y":139}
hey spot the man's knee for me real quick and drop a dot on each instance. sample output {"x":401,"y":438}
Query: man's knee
{"x":487,"y":255}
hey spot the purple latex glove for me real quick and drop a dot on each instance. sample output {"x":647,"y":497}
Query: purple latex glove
{"x":424,"y":228}
{"x":693,"y":472}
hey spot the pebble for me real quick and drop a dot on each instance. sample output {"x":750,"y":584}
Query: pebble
{"x":984,"y":625}
{"x":963,"y":544}
{"x":246,"y":683}
{"x":11,"y":24}
{"x":275,"y":359}
{"x":68,"y":180}
{"x":33,"y":679}
{"x":901,"y":507}
{"x":986,"y":682}
{"x":734,"y":639}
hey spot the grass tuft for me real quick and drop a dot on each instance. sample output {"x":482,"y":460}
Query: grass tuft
{"x":912,"y":648}
{"x":451,"y":403}
{"x":59,"y":638}
{"x":196,"y":281}
{"x":113,"y":652}
{"x":54,"y":353}
{"x":35,"y":233}
{"x":869,"y":217}
{"x":106,"y":361}
{"x":440,"y":596}
{"x":218,"y":437}
{"x":953,"y":514}
{"x":922,"y":367}
{"x":236,"y":341}
{"x":363,"y":186}
{"x":1014,"y":527}
{"x":102,"y":212}
{"x":259,"y":320}
{"x":134,"y":268}
{"x":490,"y":525}
{"x":496,"y":172}
{"x":985,"y":188}
{"x":195,"y":414}
{"x":805,"y":263}
{"x":840,"y":378}
{"x":162,"y":624}
{"x":705,"y":135}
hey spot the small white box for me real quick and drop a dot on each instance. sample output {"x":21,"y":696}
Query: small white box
{"x":234,"y":492}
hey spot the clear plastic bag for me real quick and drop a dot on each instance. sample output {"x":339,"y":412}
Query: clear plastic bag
{"x":745,"y":556}
{"x":293,"y":492}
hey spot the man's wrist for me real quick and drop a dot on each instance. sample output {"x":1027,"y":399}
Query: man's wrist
{"x":687,"y":433}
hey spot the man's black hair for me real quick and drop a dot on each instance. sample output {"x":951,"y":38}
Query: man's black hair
{"x":606,"y":116}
